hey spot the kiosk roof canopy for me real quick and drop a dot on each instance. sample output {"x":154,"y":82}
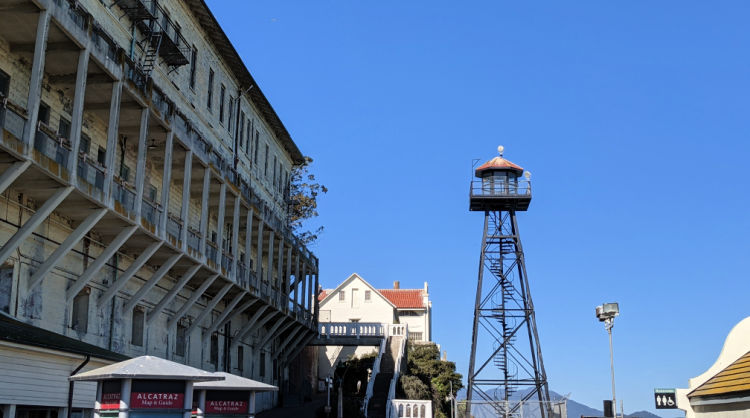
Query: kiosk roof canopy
{"x":147,"y":367}
{"x":234,"y":382}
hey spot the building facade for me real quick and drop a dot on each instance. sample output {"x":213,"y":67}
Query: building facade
{"x":355,"y":300}
{"x":144,"y":182}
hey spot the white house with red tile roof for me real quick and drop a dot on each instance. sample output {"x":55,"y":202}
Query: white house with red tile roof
{"x":355,"y":300}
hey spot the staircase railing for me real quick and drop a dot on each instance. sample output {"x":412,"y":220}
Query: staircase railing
{"x":403,"y":332}
{"x":373,"y":375}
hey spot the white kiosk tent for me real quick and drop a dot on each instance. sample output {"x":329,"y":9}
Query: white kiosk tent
{"x":145,"y":387}
{"x":233,"y":396}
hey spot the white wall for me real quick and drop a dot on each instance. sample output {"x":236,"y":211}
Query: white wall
{"x":354,"y":306}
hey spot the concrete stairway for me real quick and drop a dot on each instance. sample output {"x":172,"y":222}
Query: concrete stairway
{"x":379,"y":402}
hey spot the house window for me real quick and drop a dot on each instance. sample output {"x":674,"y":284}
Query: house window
{"x":136,"y":336}
{"x":240,"y":358}
{"x":214,"y":352}
{"x":415,"y":336}
{"x":125,"y":172}
{"x":151,"y":193}
{"x":222,"y":94}
{"x":262,"y":370}
{"x":63,"y":129}
{"x":210,"y":88}
{"x":80,"y":318}
{"x":368,"y":296}
{"x":231,"y":115}
{"x":342,"y":296}
{"x":193,"y":65}
{"x":6,"y":285}
{"x":181,"y":341}
{"x":4,"y":83}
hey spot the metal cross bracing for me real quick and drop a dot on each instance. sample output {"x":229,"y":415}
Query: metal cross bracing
{"x":506,"y":356}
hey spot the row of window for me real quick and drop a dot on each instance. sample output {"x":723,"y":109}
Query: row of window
{"x":249,"y":135}
{"x":368,"y":295}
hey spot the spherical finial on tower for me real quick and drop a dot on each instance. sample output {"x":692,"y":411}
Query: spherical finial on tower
{"x":500,"y":150}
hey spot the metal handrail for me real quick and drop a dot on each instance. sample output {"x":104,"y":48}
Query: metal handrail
{"x":485,"y":188}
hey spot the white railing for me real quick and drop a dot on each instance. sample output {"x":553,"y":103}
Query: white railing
{"x":351,"y":329}
{"x":375,"y":371}
{"x":408,"y":408}
{"x":396,"y":330}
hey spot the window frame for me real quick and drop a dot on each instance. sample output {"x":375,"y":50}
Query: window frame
{"x":210,"y":100}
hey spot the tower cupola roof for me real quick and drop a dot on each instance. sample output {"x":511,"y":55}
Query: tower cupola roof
{"x":498,"y":164}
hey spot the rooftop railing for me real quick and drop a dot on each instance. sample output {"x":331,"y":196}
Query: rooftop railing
{"x":487,"y":188}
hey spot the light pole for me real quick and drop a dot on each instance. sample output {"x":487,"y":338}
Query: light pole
{"x":606,"y":313}
{"x":329,"y":383}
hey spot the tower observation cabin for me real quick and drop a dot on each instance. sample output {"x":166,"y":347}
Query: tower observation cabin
{"x":501,"y":186}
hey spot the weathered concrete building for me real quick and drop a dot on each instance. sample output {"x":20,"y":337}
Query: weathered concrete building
{"x":145,"y":188}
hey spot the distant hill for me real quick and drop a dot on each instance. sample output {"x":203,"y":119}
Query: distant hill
{"x":575,"y":409}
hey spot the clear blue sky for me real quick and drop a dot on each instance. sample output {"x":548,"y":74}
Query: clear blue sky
{"x":632,"y":117}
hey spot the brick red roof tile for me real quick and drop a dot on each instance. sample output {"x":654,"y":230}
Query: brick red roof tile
{"x":404,"y":298}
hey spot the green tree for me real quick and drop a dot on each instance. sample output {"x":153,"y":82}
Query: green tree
{"x":303,"y":201}
{"x":438,"y":375}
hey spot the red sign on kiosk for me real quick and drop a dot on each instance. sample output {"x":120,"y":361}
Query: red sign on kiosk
{"x":110,"y":395}
{"x":158,"y":400}
{"x":226,"y":407}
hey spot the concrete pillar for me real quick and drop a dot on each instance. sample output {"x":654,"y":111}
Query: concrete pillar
{"x":297,"y":280}
{"x":37,"y":74}
{"x":111,"y":152}
{"x":12,"y":173}
{"x":204,"y":209}
{"x":184,"y":214}
{"x":280,"y":270}
{"x":259,"y":261}
{"x":220,"y":222}
{"x":288,"y":274}
{"x":76,"y":122}
{"x":166,"y":181}
{"x":9,"y":411}
{"x":315,"y":291}
{"x":140,"y":170}
{"x":36,"y":219}
{"x":236,"y":238}
{"x":66,"y":246}
{"x":303,"y":300}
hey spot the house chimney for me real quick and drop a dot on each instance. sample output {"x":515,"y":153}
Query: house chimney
{"x":396,"y":285}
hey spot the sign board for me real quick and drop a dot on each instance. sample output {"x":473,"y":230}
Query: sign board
{"x":110,"y":395}
{"x":665,"y":399}
{"x":156,"y":400}
{"x":227,"y":402}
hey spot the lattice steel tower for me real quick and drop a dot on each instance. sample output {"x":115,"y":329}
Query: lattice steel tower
{"x":506,"y":356}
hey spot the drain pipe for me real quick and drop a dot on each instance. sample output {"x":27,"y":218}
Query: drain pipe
{"x":72,"y":383}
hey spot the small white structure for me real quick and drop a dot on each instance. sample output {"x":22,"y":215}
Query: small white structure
{"x":356,"y":300}
{"x":723,"y":391}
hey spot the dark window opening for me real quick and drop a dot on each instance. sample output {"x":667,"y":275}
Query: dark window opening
{"x":214,"y":352}
{"x":101,"y":156}
{"x":265,"y":169}
{"x":231,"y":115}
{"x":80,"y":317}
{"x":63,"y":129}
{"x":136,"y":336}
{"x":4,"y":83}
{"x":240,"y":358}
{"x":43,"y":113}
{"x":257,"y":138}
{"x":262,"y":371}
{"x":181,"y":341}
{"x":193,"y":65}
{"x":221,"y":103}
{"x":6,"y":285}
{"x":85,"y":145}
{"x":210,"y":88}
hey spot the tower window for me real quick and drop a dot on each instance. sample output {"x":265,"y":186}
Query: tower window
{"x":262,"y":371}
{"x":4,"y":83}
{"x":231,"y":115}
{"x":265,"y":162}
{"x":240,"y":358}
{"x":257,"y":137}
{"x":63,"y":129}
{"x":242,"y":129}
{"x":43,"y":113}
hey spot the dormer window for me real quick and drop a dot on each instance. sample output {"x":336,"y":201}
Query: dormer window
{"x":342,"y":296}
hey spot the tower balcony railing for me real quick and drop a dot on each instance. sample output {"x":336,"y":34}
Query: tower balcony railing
{"x":212,"y":251}
{"x":193,"y":240}
{"x":484,"y":188}
{"x":226,"y":262}
{"x":174,"y":228}
{"x":51,"y":146}
{"x":12,"y":120}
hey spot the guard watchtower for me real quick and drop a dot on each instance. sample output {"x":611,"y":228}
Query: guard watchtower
{"x":505,"y":353}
